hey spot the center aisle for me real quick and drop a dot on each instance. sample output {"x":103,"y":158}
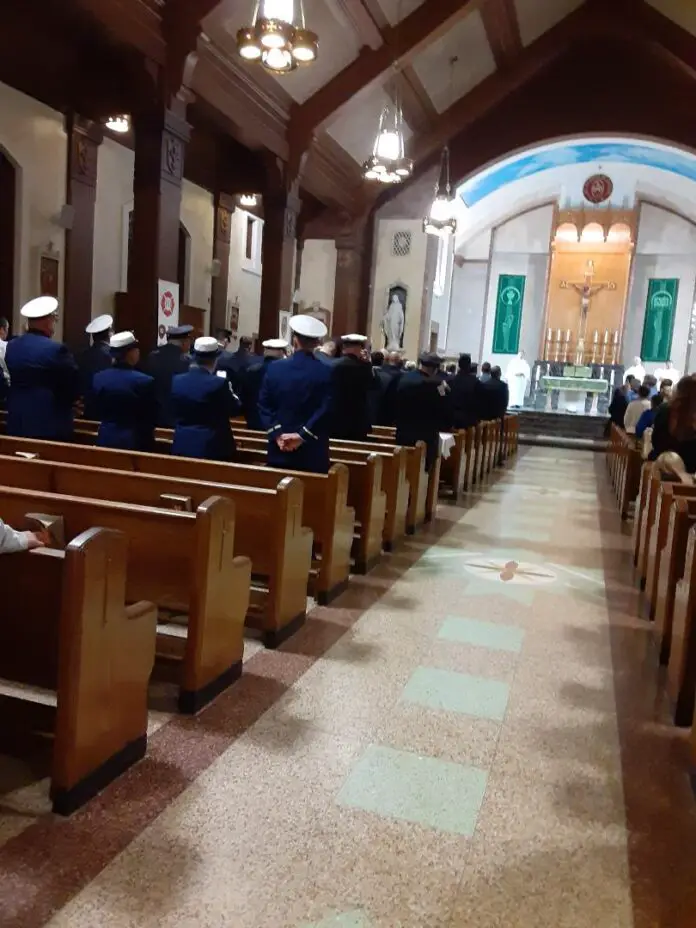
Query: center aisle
{"x":453,"y":758}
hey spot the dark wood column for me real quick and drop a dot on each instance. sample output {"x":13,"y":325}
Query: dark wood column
{"x":160,"y":147}
{"x":84,"y":138}
{"x":224,"y":207}
{"x":349,"y":304}
{"x":279,"y":235}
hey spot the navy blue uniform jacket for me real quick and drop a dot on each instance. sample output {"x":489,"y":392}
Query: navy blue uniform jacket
{"x":203,"y":405}
{"x":251,"y":390}
{"x":126,"y":408}
{"x":96,"y":358}
{"x":163,"y":364}
{"x":44,"y":386}
{"x":296,"y":397}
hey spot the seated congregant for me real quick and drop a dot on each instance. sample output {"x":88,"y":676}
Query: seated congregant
{"x":647,"y":419}
{"x":620,"y":400}
{"x":636,"y":408}
{"x":675,"y":425}
{"x":12,"y":541}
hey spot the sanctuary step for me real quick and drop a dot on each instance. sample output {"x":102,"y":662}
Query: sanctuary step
{"x":562,"y":430}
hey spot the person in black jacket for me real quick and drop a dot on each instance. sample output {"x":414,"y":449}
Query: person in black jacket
{"x":621,"y":399}
{"x":467,"y":396}
{"x":274,"y":349}
{"x":94,"y":359}
{"x":420,"y":396}
{"x":165,"y":363}
{"x":353,"y":382}
{"x":675,"y":425}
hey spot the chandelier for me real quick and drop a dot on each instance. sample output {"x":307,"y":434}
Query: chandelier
{"x":278,"y":37}
{"x":441,"y":218}
{"x":119,"y":123}
{"x":248,"y":199}
{"x":388,"y":163}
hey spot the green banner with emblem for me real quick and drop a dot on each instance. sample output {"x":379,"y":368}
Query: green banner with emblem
{"x":660,"y":312}
{"x":508,"y":314}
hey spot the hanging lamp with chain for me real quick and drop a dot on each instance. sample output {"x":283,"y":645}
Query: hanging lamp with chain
{"x":278,"y":36}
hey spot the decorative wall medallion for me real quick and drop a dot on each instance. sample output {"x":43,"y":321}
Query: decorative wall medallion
{"x":172,"y":156}
{"x":224,"y":223}
{"x":598,"y":188}
{"x":401,"y":244}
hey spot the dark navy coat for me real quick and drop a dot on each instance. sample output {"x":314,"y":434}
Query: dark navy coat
{"x":251,"y":390}
{"x":419,"y":410}
{"x":45,"y":384}
{"x":96,"y":358}
{"x":203,"y":404}
{"x":296,"y":397}
{"x":353,"y":383}
{"x":126,"y":407}
{"x":236,"y":365}
{"x":163,"y":364}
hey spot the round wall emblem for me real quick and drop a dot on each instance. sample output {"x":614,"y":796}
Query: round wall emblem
{"x":598,"y":188}
{"x":167,"y":303}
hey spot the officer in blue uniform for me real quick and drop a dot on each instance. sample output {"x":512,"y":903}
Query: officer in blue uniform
{"x":354,"y":384}
{"x":164,"y":363}
{"x":203,"y":403}
{"x":295,"y":403}
{"x":94,"y":359}
{"x":420,"y":406}
{"x":124,"y":399}
{"x":274,"y":349}
{"x":44,"y":380}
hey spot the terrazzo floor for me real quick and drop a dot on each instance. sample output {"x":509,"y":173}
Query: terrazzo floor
{"x":471,"y":735}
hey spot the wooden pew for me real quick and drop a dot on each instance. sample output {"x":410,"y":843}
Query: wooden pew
{"x":681,"y":670}
{"x":65,"y":627}
{"x":625,"y":465}
{"x":184,"y":563}
{"x":641,"y":510}
{"x":279,"y":548}
{"x":665,"y":493}
{"x":324,"y":511}
{"x":671,"y":570}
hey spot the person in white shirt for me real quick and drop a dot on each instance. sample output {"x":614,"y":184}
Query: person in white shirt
{"x":636,"y":370}
{"x":668,"y":372}
{"x":518,"y":376}
{"x":12,"y":541}
{"x":636,"y":408}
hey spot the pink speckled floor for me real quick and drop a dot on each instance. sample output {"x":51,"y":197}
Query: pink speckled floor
{"x":472,"y":735}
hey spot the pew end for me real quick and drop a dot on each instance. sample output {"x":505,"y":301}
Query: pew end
{"x":66,"y":627}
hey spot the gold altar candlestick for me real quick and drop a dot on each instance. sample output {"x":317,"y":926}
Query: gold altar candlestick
{"x":595,"y":346}
{"x":558,"y":345}
{"x":549,"y":345}
{"x":615,"y":348}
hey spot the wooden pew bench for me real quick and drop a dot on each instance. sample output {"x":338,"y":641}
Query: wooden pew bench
{"x":278,"y":546}
{"x":667,"y":493}
{"x":185,"y":564}
{"x":671,"y":569}
{"x":65,"y":627}
{"x":324,"y":508}
{"x":681,"y":669}
{"x":653,"y":529}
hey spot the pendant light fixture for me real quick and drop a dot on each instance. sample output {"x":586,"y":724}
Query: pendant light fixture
{"x":441,"y":218}
{"x":388,"y":163}
{"x":120,"y":124}
{"x":278,"y":36}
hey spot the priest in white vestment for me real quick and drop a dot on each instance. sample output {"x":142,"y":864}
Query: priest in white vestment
{"x":636,"y":370}
{"x":668,"y":372}
{"x":518,"y":376}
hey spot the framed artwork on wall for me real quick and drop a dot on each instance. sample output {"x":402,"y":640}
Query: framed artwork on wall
{"x":49,"y":269}
{"x":321,"y":313}
{"x":284,"y":325}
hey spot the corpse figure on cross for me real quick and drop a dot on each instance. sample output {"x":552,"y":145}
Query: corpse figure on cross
{"x":587,"y":288}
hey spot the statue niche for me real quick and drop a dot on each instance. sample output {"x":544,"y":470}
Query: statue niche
{"x":394,"y":318}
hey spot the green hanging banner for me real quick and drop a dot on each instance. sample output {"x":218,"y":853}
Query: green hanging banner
{"x":660,"y":310}
{"x":508,"y":314}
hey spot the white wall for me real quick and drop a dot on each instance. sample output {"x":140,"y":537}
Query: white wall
{"x":113,"y":202}
{"x":408,"y":271}
{"x":33,"y":137}
{"x":469,"y":283}
{"x":244,"y":285}
{"x":198,"y":216}
{"x":666,"y":247}
{"x":318,"y":277}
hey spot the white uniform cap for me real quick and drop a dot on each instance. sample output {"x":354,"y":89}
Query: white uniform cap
{"x":206,"y":345}
{"x":39,"y":308}
{"x":354,"y":339}
{"x":278,"y":344}
{"x":100,"y":324}
{"x":308,"y":326}
{"x":122,"y":340}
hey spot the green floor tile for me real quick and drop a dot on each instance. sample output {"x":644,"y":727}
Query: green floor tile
{"x":352,"y":919}
{"x":482,"y":634}
{"x":457,"y":692}
{"x":430,"y":792}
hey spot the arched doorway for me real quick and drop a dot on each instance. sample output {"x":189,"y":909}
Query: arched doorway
{"x":8,"y":216}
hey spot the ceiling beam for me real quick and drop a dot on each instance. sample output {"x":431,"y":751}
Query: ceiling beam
{"x":679,"y":44}
{"x":502,"y":31}
{"x":364,"y":24}
{"x":403,"y":41}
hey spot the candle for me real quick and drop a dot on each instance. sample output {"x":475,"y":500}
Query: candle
{"x":606,"y":337}
{"x":558,"y":335}
{"x":596,"y":337}
{"x":616,"y":337}
{"x":568,"y":335}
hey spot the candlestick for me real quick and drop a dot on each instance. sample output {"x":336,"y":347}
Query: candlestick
{"x":616,"y":337}
{"x":595,"y":337}
{"x":606,"y":336}
{"x":567,"y":335}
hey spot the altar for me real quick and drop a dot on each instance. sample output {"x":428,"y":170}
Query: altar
{"x":573,"y":393}
{"x":575,"y":389}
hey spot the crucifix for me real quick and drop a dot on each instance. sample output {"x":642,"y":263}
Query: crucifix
{"x":587,"y":288}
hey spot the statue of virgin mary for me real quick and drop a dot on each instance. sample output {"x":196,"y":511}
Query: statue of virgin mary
{"x":393,"y":324}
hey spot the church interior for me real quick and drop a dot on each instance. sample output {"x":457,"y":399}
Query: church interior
{"x":402,"y":693}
